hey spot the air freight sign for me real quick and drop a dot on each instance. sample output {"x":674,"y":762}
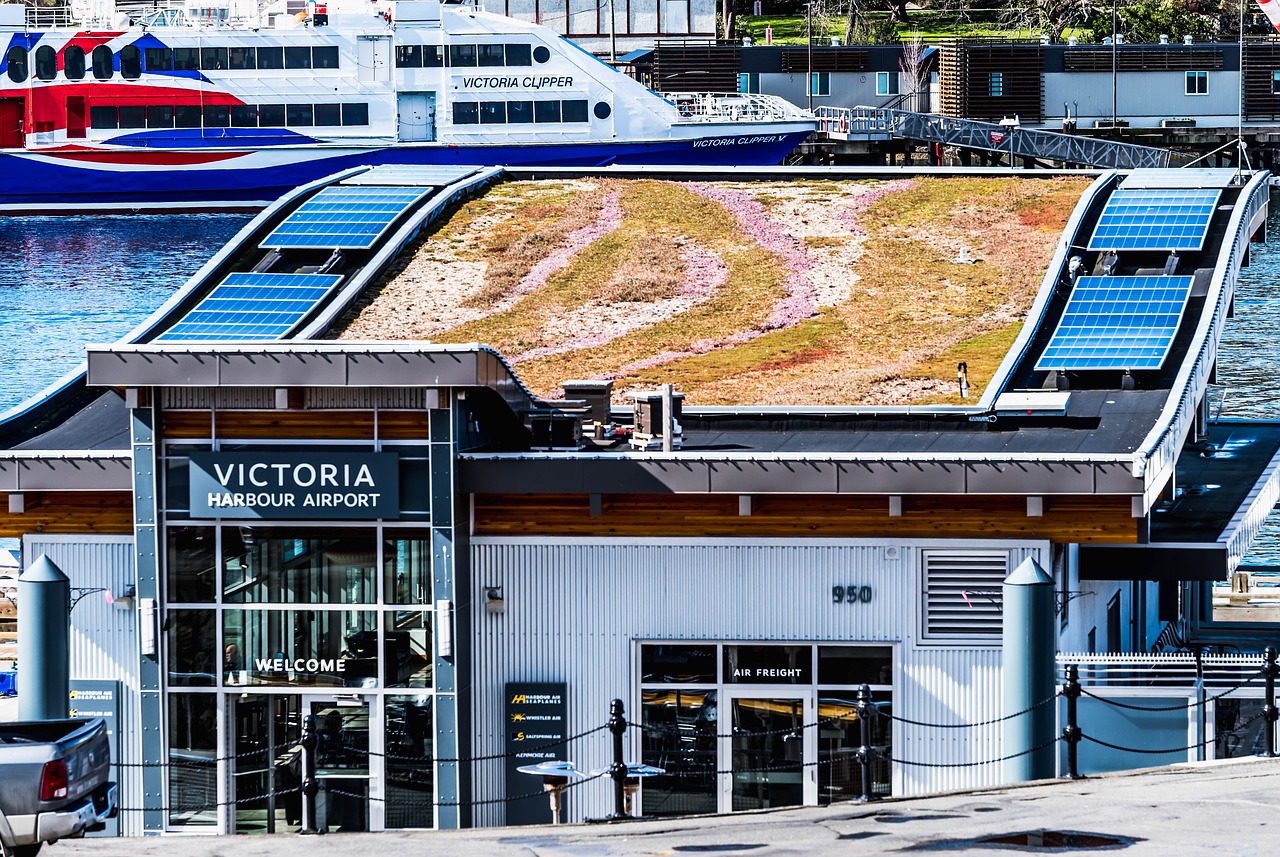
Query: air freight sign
{"x":295,"y":485}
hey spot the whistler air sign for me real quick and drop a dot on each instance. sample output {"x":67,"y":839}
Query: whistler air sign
{"x":297,"y":485}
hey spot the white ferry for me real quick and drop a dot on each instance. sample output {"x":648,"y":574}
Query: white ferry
{"x":223,"y":104}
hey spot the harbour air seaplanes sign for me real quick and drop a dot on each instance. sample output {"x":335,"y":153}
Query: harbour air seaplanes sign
{"x":295,"y":485}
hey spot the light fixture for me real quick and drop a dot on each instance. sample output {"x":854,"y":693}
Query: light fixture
{"x":493,"y":600}
{"x":123,"y":601}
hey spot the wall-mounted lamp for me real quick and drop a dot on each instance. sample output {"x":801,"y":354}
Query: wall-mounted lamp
{"x":123,"y":601}
{"x":493,"y":600}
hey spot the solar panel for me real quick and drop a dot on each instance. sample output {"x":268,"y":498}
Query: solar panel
{"x":1117,"y":323}
{"x":252,"y":306}
{"x":407,"y":174}
{"x":1155,"y":219}
{"x":350,"y":218}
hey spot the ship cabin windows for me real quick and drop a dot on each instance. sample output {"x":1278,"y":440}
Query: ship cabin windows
{"x":465,"y":56}
{"x":1197,"y":83}
{"x":73,"y":66}
{"x":518,"y":112}
{"x":238,"y":58}
{"x":16,"y":58}
{"x":130,"y":62}
{"x":228,"y":116}
{"x":104,"y":62}
{"x":46,"y":63}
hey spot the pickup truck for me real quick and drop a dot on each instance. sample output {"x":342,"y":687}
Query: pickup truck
{"x":53,"y":782}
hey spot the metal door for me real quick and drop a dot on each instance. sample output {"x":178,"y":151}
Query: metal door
{"x":11,"y":115}
{"x":768,"y":749}
{"x":374,"y":54}
{"x":417,"y":116}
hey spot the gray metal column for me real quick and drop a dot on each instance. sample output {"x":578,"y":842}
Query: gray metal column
{"x":44,"y":642}
{"x":443,"y":563}
{"x":1029,"y":644}
{"x":147,"y":564}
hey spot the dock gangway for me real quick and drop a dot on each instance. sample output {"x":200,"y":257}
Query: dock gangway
{"x":880,"y":123}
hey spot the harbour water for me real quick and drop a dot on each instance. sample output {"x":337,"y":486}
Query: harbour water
{"x":68,"y":281}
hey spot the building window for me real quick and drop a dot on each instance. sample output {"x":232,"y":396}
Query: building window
{"x":1275,"y":83}
{"x":1198,"y":83}
{"x":887,"y":82}
{"x":820,"y":83}
{"x":749,"y":83}
{"x":995,"y":87}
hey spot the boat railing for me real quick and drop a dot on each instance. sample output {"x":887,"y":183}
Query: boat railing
{"x":733,"y":107}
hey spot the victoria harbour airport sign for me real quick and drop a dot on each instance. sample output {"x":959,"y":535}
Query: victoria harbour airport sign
{"x":295,"y":485}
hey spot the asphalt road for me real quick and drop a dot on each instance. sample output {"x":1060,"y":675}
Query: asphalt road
{"x":1220,"y":808}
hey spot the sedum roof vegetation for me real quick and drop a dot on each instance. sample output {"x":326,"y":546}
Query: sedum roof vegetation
{"x":769,"y":293}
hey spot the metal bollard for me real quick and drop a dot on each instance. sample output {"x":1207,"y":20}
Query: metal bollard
{"x":1269,"y":711}
{"x":864,"y":753}
{"x":1071,"y":732}
{"x":618,"y":770}
{"x":310,"y":785}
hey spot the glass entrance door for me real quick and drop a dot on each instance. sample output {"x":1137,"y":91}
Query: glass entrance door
{"x":266,"y":763}
{"x":343,"y":763}
{"x":772,"y":754}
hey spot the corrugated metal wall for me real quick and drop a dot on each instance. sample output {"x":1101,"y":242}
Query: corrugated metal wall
{"x":576,"y":607}
{"x":104,"y":639}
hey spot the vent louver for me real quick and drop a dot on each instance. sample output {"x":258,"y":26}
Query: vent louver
{"x":962,"y":594}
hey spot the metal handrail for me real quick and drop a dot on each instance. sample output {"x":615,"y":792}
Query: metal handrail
{"x":733,"y":106}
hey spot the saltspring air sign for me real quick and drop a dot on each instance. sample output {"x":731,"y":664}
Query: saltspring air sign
{"x":295,"y":485}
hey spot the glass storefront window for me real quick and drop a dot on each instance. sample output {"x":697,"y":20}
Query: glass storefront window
{"x":191,"y":563}
{"x":191,"y":641}
{"x":304,"y":648}
{"x":408,"y":649}
{"x":768,"y":664}
{"x":675,"y":664}
{"x":193,"y":765}
{"x":680,"y":738}
{"x":406,"y":566}
{"x":298,"y":566}
{"x":410,"y":769}
{"x":855,"y":665}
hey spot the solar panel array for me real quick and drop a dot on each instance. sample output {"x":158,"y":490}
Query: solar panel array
{"x":1117,"y":323}
{"x":1155,"y":219}
{"x":344,"y":217}
{"x":410,"y":174}
{"x":252,"y":306}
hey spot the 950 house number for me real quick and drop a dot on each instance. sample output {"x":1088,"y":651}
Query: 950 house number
{"x":851,"y":594}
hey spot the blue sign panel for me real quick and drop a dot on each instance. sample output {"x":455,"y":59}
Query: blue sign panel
{"x":295,"y":485}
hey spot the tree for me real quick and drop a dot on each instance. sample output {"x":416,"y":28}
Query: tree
{"x":1147,"y":20}
{"x":1052,"y":18}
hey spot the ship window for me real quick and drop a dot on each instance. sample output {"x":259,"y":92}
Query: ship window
{"x":433,"y":56}
{"x":462,"y":55}
{"x":270,"y":57}
{"x":73,"y":62}
{"x":102,"y":117}
{"x":493,"y":112}
{"x":297,"y":57}
{"x":326,"y":57}
{"x":299,"y":115}
{"x":490,"y":55}
{"x":160,"y":116}
{"x":541,"y":54}
{"x":130,"y":62}
{"x":409,"y":56}
{"x":466,"y":113}
{"x":328,"y":114}
{"x":270,"y":115}
{"x":213,"y":59}
{"x":17,"y":59}
{"x":186,"y":59}
{"x":519,"y":112}
{"x":574,"y":111}
{"x":244,"y":116}
{"x":546,"y":111}
{"x":519,"y":55}
{"x":602,"y":110}
{"x":103,"y":62}
{"x":187,"y":116}
{"x":133,"y":116}
{"x":242,"y":59}
{"x":158,"y":59}
{"x":217,"y":116}
{"x":355,"y":114}
{"x":46,"y":63}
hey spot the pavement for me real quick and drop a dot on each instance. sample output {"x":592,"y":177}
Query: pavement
{"x":1230,"y":807}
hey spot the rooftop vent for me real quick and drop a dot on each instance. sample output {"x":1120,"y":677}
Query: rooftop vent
{"x":597,"y":396}
{"x":649,"y":420}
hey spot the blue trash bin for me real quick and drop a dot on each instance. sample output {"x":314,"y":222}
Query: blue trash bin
{"x":8,"y":682}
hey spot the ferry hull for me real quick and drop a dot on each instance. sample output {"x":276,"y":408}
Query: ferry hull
{"x":72,"y":180}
